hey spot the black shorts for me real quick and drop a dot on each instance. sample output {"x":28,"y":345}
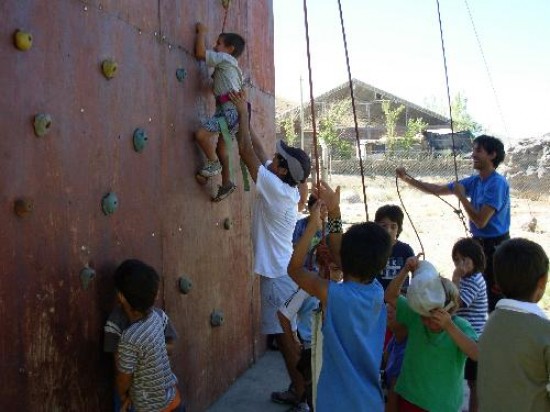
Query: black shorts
{"x":470,"y":370}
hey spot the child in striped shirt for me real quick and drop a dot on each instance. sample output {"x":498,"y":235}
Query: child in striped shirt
{"x":469,"y":261}
{"x":144,"y":378}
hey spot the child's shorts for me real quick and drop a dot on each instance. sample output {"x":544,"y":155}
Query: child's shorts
{"x":227,"y":110}
{"x":470,"y":370}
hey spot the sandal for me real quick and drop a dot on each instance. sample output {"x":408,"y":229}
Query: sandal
{"x":224,"y":191}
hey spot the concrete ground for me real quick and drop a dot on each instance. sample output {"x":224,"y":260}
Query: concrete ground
{"x":252,"y":391}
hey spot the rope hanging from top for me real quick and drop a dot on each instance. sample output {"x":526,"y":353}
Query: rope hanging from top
{"x":354,"y":111}
{"x":459,"y":209}
{"x":323,"y":253}
{"x":312,"y":101}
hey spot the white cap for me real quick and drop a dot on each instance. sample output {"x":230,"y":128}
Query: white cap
{"x":426,"y":291}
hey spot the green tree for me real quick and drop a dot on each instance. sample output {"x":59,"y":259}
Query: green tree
{"x":462,"y":120}
{"x":391,"y":121}
{"x":330,"y":126}
{"x":414,"y":127}
{"x":287,"y":126}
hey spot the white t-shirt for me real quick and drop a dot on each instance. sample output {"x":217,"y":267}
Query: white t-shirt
{"x":227,"y":76}
{"x":274,"y":218}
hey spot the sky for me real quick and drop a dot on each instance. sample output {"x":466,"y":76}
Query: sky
{"x":395,"y":45}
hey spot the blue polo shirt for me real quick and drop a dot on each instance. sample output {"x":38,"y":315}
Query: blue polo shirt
{"x":494,"y":192}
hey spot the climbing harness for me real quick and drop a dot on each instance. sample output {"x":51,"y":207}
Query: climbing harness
{"x":228,"y":140}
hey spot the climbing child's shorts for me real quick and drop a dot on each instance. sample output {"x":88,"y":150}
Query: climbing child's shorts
{"x":227,"y":110}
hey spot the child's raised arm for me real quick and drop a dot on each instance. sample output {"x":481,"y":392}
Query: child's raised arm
{"x":200,"y":42}
{"x":332,"y":201}
{"x":308,"y":281}
{"x":394,"y":288}
{"x":465,"y":343}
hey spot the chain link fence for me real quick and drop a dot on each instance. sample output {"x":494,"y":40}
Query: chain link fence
{"x":437,"y":224}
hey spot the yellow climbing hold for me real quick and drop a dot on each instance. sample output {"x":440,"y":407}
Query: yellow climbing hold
{"x":22,"y":40}
{"x":109,"y":68}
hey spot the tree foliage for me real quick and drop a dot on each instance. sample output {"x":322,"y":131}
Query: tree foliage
{"x":287,"y":126}
{"x":331,"y":121}
{"x":391,"y":116}
{"x":414,"y":127}
{"x":462,"y":120}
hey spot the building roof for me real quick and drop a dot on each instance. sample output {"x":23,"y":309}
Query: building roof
{"x":357,"y":84}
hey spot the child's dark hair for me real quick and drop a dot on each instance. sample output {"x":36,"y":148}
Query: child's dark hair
{"x":233,"y":40}
{"x":392,"y":212}
{"x":365,"y":250}
{"x":311,"y":201}
{"x":518,"y":265}
{"x":491,"y":145}
{"x":138,"y":283}
{"x":470,"y":248}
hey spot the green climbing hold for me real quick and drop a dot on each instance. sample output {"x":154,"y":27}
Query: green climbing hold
{"x":140,"y":140}
{"x":181,"y":74}
{"x":42,"y":124}
{"x":109,"y":203}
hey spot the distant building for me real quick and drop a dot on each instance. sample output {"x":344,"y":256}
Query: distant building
{"x":370,"y":116}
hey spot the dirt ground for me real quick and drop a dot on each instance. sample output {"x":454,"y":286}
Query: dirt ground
{"x":436,"y":223}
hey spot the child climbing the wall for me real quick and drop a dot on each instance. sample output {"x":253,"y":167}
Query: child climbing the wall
{"x":143,"y":376}
{"x":227,"y":77}
{"x":438,"y":343}
{"x":469,"y":261}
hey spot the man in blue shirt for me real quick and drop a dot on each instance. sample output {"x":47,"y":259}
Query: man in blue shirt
{"x":486,"y":199}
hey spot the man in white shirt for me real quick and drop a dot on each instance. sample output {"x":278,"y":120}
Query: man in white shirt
{"x":275,"y":215}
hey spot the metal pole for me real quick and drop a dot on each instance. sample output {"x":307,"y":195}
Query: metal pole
{"x":301,"y":113}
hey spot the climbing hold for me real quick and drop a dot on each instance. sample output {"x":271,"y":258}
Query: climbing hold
{"x":109,"y":68}
{"x":140,"y":140}
{"x":23,"y":207}
{"x":109,"y":203}
{"x":42,"y":124}
{"x":22,"y":40}
{"x":86,"y":276}
{"x":225,"y":3}
{"x":216,"y":318}
{"x":181,"y":74}
{"x":185,"y":285}
{"x":228,"y":223}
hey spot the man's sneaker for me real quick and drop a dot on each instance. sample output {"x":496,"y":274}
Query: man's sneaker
{"x":224,"y":191}
{"x":211,"y":168}
{"x":301,"y":407}
{"x":288,"y":397}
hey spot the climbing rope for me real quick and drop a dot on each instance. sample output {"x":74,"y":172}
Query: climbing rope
{"x":354,"y":111}
{"x":499,"y":108}
{"x":409,"y":217}
{"x":448,"y":90}
{"x":457,"y":211}
{"x":312,"y":102}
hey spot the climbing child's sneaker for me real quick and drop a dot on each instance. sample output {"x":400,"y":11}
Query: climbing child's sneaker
{"x":224,"y":191}
{"x":211,"y":168}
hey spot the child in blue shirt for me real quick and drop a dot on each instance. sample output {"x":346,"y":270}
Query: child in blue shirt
{"x":355,"y":315}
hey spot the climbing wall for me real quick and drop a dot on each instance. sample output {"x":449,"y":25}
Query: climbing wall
{"x":99,"y":103}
